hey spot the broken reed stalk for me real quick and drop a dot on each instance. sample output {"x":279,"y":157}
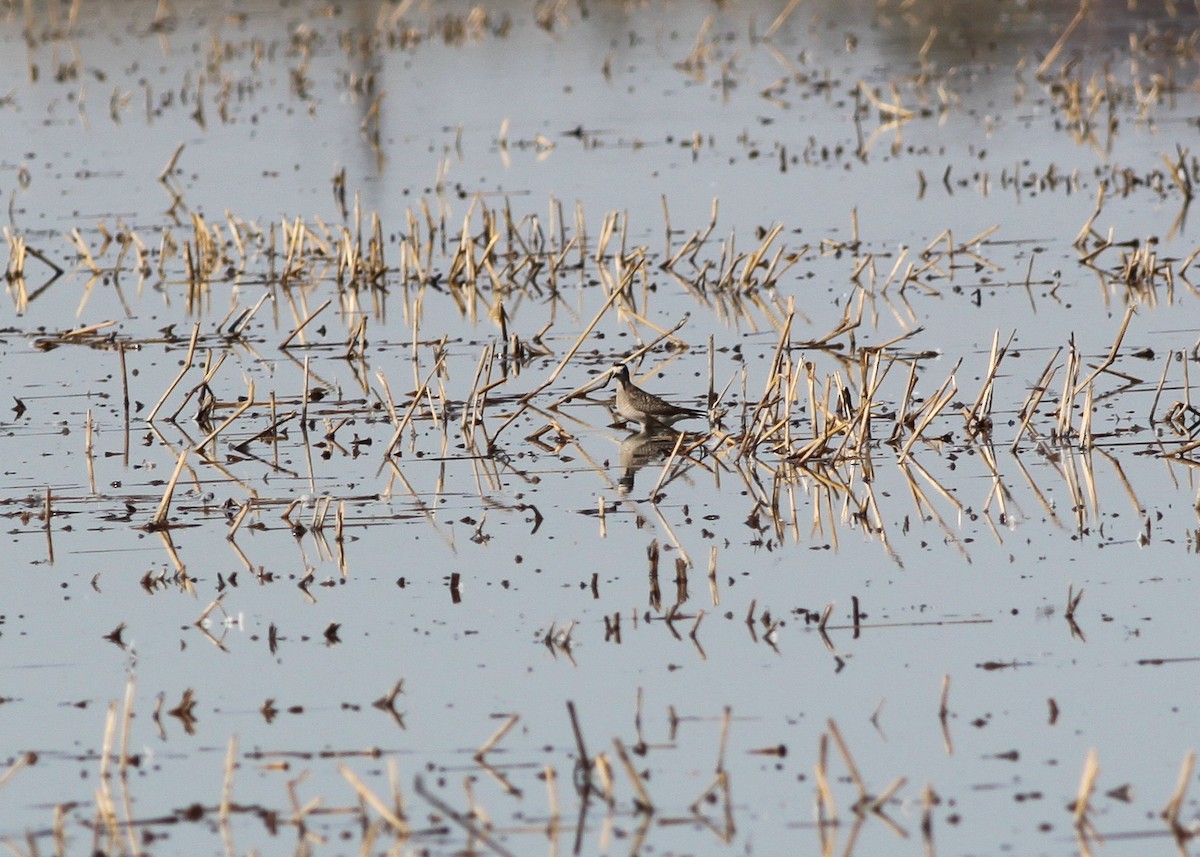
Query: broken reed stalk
{"x":848,"y":759}
{"x":227,"y":786}
{"x":1082,"y":237}
{"x":932,"y":408}
{"x":1073,"y":599}
{"x":159,"y":520}
{"x":374,"y":801}
{"x":106,"y":745}
{"x":48,"y":513}
{"x":667,"y":224}
{"x":667,"y":467}
{"x":663,"y":333}
{"x":905,"y":400}
{"x":304,"y":398}
{"x":304,"y":323}
{"x":754,"y":259}
{"x":170,"y":167}
{"x":633,"y":357}
{"x":474,"y":809}
{"x":528,"y":397}
{"x":458,"y":818}
{"x":491,"y":742}
{"x":1087,"y":786}
{"x":552,"y":797}
{"x":473,"y":405}
{"x":235,"y":330}
{"x":1161,"y":383}
{"x":126,"y":727}
{"x":826,"y":808}
{"x":1112,"y":353}
{"x":723,"y":745}
{"x":241,"y":409}
{"x":943,"y":715}
{"x":1067,"y":401}
{"x":605,"y":774}
{"x":754,"y":436}
{"x":696,"y":627}
{"x":394,"y":782}
{"x":675,"y":541}
{"x":823,"y":623}
{"x":238,"y":518}
{"x":1035,"y":397}
{"x":1187,"y":386}
{"x":1086,"y":438}
{"x":887,"y":794}
{"x":339,"y":538}
{"x":124,"y":378}
{"x":643,"y":800}
{"x":387,"y":392}
{"x":15,"y":271}
{"x":1062,"y":40}
{"x":582,"y":763}
{"x":213,"y":605}
{"x":983,"y":404}
{"x":780,"y":19}
{"x":26,"y":759}
{"x":929,"y":799}
{"x":104,"y":801}
{"x":84,"y":253}
{"x":211,"y":367}
{"x":1171,"y":812}
{"x":187,"y":364}
{"x":412,"y":407}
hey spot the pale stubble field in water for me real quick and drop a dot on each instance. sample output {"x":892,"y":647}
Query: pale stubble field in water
{"x":323,"y":536}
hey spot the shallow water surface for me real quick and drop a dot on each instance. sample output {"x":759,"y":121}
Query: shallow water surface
{"x":323,"y":534}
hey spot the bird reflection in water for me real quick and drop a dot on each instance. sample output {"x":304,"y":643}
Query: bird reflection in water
{"x":642,"y":448}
